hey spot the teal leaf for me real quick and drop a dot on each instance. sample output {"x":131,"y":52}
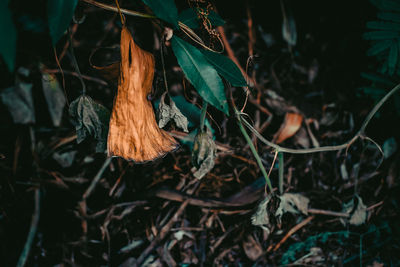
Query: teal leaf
{"x":383,"y":25}
{"x":380,"y":35}
{"x":378,"y":79}
{"x":395,"y":17}
{"x":393,"y":56}
{"x":379,"y":47}
{"x":9,"y":34}
{"x":225,"y":67}
{"x":200,"y":73}
{"x":59,"y":15}
{"x":164,"y":9}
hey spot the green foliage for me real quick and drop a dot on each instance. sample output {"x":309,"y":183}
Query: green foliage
{"x":225,"y":67}
{"x":164,"y":9}
{"x":200,"y":73}
{"x":385,"y":36}
{"x":9,"y":34}
{"x":189,"y":18}
{"x":59,"y":15}
{"x":90,"y":118}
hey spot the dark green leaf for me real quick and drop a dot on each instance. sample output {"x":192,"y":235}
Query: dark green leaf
{"x":59,"y":15}
{"x":9,"y":36}
{"x":380,"y":35}
{"x":226,"y":67}
{"x":164,"y":9}
{"x":383,"y":25}
{"x":379,"y":47}
{"x":215,"y":19}
{"x":90,"y":118}
{"x":378,"y":79}
{"x":54,"y":97}
{"x":389,"y":16}
{"x":189,"y":18}
{"x":393,"y":56}
{"x":203,"y":154}
{"x":200,"y":73}
{"x":391,"y":5}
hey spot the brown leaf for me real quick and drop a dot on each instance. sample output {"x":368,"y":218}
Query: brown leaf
{"x":109,"y":70}
{"x":290,"y":126}
{"x":134,"y":133}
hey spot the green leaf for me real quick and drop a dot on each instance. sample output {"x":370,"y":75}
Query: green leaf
{"x":164,"y":9}
{"x":389,"y":16}
{"x":378,"y":47}
{"x":90,"y":118}
{"x":383,"y":25}
{"x":200,"y":73}
{"x":226,"y":67}
{"x":189,"y":18}
{"x":380,"y":35}
{"x":9,"y":36}
{"x":59,"y":15}
{"x":378,"y":79}
{"x":393,"y":56}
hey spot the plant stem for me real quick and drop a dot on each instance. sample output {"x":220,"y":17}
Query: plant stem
{"x":203,"y":116}
{"x":75,"y":64}
{"x":281,"y":170}
{"x":254,"y":151}
{"x":123,"y":11}
{"x":32,"y":231}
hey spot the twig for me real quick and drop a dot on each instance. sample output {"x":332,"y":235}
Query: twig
{"x":281,"y":172}
{"x":328,"y":213}
{"x":97,"y":178}
{"x":86,"y":77}
{"x":203,"y":116}
{"x":115,"y":9}
{"x":291,"y":232}
{"x":32,"y":231}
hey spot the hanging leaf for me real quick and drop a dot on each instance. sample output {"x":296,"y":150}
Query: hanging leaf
{"x":54,"y":97}
{"x":203,"y":154}
{"x":226,"y":67}
{"x":164,"y":9}
{"x":90,"y":119}
{"x":290,"y":126}
{"x":200,"y":73}
{"x":59,"y":15}
{"x":8,"y":42}
{"x":171,"y":112}
{"x":18,"y":99}
{"x":134,"y":133}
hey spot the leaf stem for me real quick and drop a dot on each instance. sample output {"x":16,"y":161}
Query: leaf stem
{"x":123,"y":11}
{"x":281,"y":172}
{"x":203,"y":116}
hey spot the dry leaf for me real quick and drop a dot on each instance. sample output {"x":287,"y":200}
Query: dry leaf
{"x":290,"y":126}
{"x":292,"y":203}
{"x":252,"y":248}
{"x":204,"y":153}
{"x":261,"y":217}
{"x":134,"y":133}
{"x":171,"y":112}
{"x":358,"y":214}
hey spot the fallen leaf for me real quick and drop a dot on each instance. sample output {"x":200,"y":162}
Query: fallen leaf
{"x":65,"y":159}
{"x":18,"y":99}
{"x":252,"y":248}
{"x":203,"y":154}
{"x":261,"y":216}
{"x":90,"y":118}
{"x":292,"y":203}
{"x":290,"y":126}
{"x":54,"y":97}
{"x":358,"y":214}
{"x":134,"y":133}
{"x":171,"y":112}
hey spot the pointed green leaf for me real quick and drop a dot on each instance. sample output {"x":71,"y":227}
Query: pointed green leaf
{"x":383,"y":25}
{"x":391,"y":5}
{"x":393,"y":56}
{"x":380,"y":79}
{"x":200,"y":73}
{"x":380,"y":35}
{"x":59,"y":15}
{"x":226,"y":67}
{"x":389,"y":16}
{"x":378,"y":47}
{"x":9,"y":34}
{"x":164,"y":9}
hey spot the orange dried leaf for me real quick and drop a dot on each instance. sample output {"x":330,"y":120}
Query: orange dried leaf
{"x":134,"y":133}
{"x":290,"y":126}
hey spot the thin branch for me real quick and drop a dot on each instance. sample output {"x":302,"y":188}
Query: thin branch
{"x":97,"y":178}
{"x":123,"y":11}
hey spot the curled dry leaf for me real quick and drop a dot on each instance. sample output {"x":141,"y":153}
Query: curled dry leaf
{"x":90,"y":118}
{"x":357,"y":211}
{"x":290,"y":126}
{"x":203,"y":154}
{"x":171,"y":112}
{"x":292,"y":203}
{"x":134,"y":133}
{"x":261,"y":216}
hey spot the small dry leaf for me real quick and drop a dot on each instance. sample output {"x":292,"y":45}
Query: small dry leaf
{"x":261,"y":217}
{"x":134,"y":133}
{"x":252,"y":248}
{"x":292,"y":203}
{"x":357,"y":211}
{"x":203,"y":154}
{"x":290,"y":126}
{"x":171,"y":111}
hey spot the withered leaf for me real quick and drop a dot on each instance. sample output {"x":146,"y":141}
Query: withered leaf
{"x":290,"y":126}
{"x":357,"y":211}
{"x":203,"y":154}
{"x":90,"y":119}
{"x":134,"y":133}
{"x":54,"y":97}
{"x":171,"y":112}
{"x":292,"y":203}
